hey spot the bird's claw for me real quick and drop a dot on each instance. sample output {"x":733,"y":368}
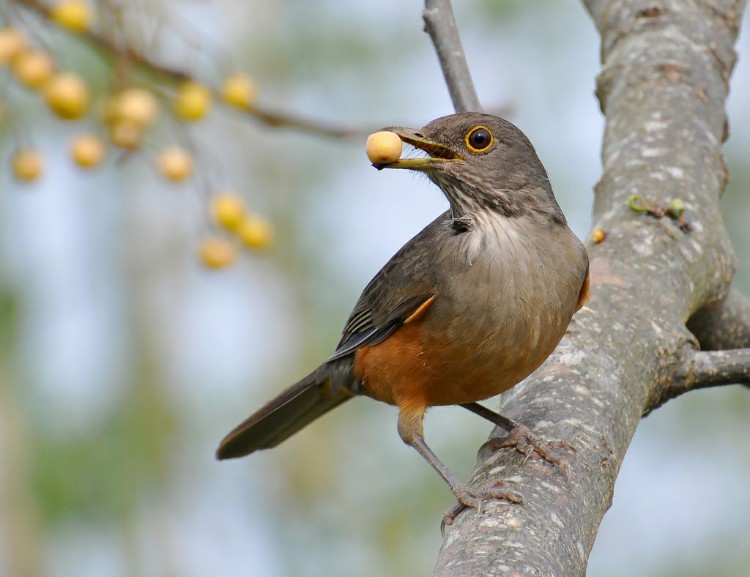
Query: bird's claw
{"x":474,"y":497}
{"x":527,"y":443}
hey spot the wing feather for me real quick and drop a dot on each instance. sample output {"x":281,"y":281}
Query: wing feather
{"x":401,"y":287}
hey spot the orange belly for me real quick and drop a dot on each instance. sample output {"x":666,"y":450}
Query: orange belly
{"x":409,"y":369}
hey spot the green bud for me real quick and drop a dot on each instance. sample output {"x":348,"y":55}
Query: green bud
{"x":676,"y":208}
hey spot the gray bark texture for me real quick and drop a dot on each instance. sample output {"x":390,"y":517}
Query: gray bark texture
{"x":665,"y":74}
{"x":723,"y":325}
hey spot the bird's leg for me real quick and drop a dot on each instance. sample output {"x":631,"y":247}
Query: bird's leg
{"x":410,"y":427}
{"x":522,"y":438}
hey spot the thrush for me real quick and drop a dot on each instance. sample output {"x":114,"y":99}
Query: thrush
{"x":467,"y":309}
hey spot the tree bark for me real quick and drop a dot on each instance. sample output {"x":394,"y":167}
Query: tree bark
{"x":723,"y":325}
{"x":666,"y":69}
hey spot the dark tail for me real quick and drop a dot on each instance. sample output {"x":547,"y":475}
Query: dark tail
{"x":293,"y":409}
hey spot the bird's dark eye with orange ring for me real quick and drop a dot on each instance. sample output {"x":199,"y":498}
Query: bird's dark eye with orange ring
{"x":479,"y":139}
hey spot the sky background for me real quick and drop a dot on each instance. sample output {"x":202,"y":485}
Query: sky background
{"x":123,"y":362}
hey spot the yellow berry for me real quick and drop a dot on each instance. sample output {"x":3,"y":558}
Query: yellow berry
{"x":67,"y":95}
{"x":33,"y":68}
{"x":87,"y":150}
{"x":228,"y":210}
{"x":73,"y":14}
{"x":256,"y":232}
{"x":598,"y":236}
{"x":239,"y":90}
{"x":217,"y":252}
{"x":135,"y":105}
{"x":383,"y":147}
{"x":175,"y":163}
{"x":125,"y":135}
{"x":27,"y":165}
{"x":192,"y":101}
{"x":12,"y":43}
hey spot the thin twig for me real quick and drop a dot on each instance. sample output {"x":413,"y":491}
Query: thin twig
{"x":128,"y":53}
{"x":440,"y":24}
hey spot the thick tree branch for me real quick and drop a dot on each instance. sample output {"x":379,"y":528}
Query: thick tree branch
{"x":723,"y":325}
{"x":712,"y":369}
{"x":440,"y":24}
{"x":664,"y":81}
{"x":703,"y":370}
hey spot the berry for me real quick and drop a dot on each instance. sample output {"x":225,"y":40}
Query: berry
{"x":175,"y":163}
{"x":192,"y":101}
{"x":383,"y":147}
{"x":135,"y":105}
{"x":87,"y":150}
{"x":27,"y":165}
{"x":598,"y":236}
{"x":228,"y":210}
{"x":255,"y":232}
{"x":67,"y":95}
{"x":33,"y":68}
{"x":239,"y":90}
{"x":72,"y":14}
{"x":217,"y":252}
{"x":12,"y":43}
{"x":125,"y":135}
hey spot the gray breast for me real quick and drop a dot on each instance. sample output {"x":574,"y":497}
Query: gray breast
{"x":504,"y":288}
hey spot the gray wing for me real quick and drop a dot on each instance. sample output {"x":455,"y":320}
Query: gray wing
{"x":404,"y":284}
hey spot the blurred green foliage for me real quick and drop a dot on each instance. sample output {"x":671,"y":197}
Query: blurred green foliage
{"x":105,"y":473}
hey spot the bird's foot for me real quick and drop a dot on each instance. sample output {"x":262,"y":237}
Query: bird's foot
{"x":527,"y":442}
{"x":474,"y":497}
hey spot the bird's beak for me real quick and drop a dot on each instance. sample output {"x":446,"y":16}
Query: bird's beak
{"x":439,"y":153}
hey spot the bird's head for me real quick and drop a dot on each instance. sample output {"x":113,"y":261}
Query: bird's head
{"x":481,"y":163}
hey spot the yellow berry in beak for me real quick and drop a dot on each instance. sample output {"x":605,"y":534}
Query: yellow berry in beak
{"x":383,"y":147}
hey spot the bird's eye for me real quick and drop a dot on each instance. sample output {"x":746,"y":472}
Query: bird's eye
{"x":479,"y":139}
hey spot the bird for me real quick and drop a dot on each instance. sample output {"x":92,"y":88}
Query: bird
{"x":465,"y":310}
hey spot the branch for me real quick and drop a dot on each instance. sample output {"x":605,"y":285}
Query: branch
{"x":440,"y":24}
{"x":288,"y":120}
{"x":131,"y":54}
{"x":713,"y":369}
{"x":723,"y":325}
{"x":664,"y":103}
{"x":703,"y":370}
